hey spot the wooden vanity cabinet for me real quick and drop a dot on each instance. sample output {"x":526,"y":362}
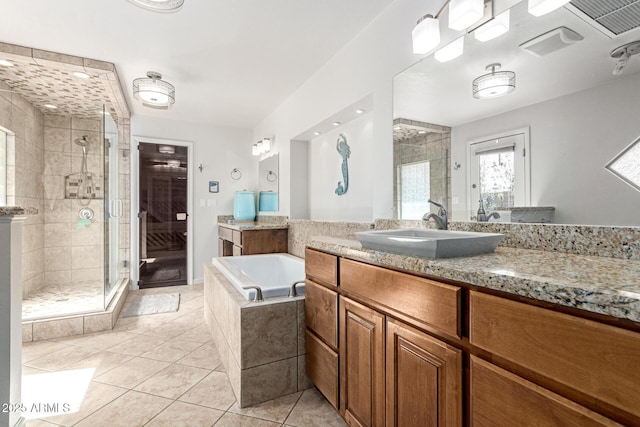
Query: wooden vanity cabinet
{"x":233,"y":242}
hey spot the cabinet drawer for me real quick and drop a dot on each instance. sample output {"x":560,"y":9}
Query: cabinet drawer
{"x":412,"y":298}
{"x":225,"y":233}
{"x":596,"y":359}
{"x":322,"y":368}
{"x":321,"y":312}
{"x":500,"y":398}
{"x":237,"y":237}
{"x":321,"y":267}
{"x":237,"y":250}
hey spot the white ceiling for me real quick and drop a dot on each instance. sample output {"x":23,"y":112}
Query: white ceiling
{"x":232,"y":61}
{"x":440,"y":93}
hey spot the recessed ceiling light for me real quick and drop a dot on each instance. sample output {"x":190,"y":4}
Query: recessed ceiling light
{"x":6,"y":63}
{"x":398,"y":128}
{"x":51,"y":106}
{"x":81,"y":75}
{"x":360,"y":111}
{"x":316,"y":133}
{"x":337,"y":123}
{"x":422,"y":132}
{"x":159,"y":5}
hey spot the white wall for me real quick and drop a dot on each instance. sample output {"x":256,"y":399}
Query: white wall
{"x":325,"y":171}
{"x":365,"y":65}
{"x":219,"y":150}
{"x":572,"y":138}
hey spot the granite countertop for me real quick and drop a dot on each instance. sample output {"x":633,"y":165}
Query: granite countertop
{"x":608,"y":286}
{"x":253,"y":226}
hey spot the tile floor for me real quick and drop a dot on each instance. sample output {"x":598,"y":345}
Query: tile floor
{"x":63,"y":299}
{"x":157,"y":370}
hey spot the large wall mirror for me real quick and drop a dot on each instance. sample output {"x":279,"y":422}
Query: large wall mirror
{"x":268,"y":182}
{"x":578,"y":113}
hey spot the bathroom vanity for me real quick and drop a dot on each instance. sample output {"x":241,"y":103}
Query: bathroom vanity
{"x":251,"y":238}
{"x":518,"y":337}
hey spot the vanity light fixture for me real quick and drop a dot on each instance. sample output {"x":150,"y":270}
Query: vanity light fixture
{"x":426,"y":34}
{"x":495,"y":84}
{"x":266,"y":145}
{"x":542,"y":7}
{"x":494,"y":28}
{"x":261,"y":147}
{"x":159,"y":5}
{"x":154,"y":92}
{"x":450,"y":51}
{"x":464,"y":13}
{"x":6,"y":63}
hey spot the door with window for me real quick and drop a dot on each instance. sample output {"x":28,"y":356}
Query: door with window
{"x":499,"y":172}
{"x":163,"y":215}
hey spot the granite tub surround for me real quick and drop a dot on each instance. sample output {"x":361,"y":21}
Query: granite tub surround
{"x":302,"y":232}
{"x":260,"y":344}
{"x":593,"y":240}
{"x":602,"y":285}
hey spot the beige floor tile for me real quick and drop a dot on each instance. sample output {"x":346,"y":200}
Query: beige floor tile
{"x":235,"y":420}
{"x":40,"y":423}
{"x":313,"y":410}
{"x":138,"y":345}
{"x":170,"y":329}
{"x":28,"y":370}
{"x":96,"y":396}
{"x":171,"y":351}
{"x":214,"y":392}
{"x":102,"y":362}
{"x":59,"y":359}
{"x":274,"y":410}
{"x":180,"y":414}
{"x":132,"y":372}
{"x":138,"y":324}
{"x":199,"y":334}
{"x":99,"y":340}
{"x":131,"y":409}
{"x":34,"y":350}
{"x":205,"y":356}
{"x":173,"y":381}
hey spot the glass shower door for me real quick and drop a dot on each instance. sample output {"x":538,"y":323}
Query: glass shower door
{"x":112,"y":207}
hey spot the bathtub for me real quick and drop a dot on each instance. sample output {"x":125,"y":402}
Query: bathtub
{"x":273,"y":273}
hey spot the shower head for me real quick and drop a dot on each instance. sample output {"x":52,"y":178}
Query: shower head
{"x":82,"y":142}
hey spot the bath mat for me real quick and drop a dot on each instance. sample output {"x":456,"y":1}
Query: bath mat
{"x":141,"y":305}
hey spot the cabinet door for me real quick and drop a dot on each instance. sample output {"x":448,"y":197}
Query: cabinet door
{"x":361,"y":364}
{"x":424,"y":379}
{"x":500,"y":398}
{"x":321,"y":312}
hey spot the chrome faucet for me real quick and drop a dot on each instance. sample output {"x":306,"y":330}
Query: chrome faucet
{"x":486,"y":218}
{"x":441,"y":219}
{"x":292,"y":289}
{"x":258,"y":297}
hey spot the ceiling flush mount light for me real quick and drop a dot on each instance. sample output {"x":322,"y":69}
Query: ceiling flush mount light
{"x":495,"y":84}
{"x":426,"y":34}
{"x":464,"y":13}
{"x":154,"y":92}
{"x":6,"y":63}
{"x":159,"y":5}
{"x":450,"y":51}
{"x":494,"y":28}
{"x":542,"y":7}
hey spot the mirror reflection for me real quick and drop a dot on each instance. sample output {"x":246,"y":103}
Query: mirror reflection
{"x":268,"y":184}
{"x":578,"y":113}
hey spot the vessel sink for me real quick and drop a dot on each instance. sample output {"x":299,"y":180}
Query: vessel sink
{"x":430,"y":243}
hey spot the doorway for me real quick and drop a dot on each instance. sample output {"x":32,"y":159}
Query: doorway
{"x":163,"y":201}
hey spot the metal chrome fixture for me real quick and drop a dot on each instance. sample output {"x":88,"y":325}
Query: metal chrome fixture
{"x":495,"y":84}
{"x":441,"y":219}
{"x":623,"y":53}
{"x":159,"y":5}
{"x":154,"y":92}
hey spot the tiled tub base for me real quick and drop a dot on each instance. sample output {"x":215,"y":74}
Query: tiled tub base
{"x":86,"y":323}
{"x":261,"y":345}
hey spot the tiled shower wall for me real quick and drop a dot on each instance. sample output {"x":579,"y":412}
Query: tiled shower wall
{"x":25,"y":160}
{"x":74,"y":250}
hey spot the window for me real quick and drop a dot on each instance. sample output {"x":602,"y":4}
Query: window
{"x":499,"y":171}
{"x":414,"y":188}
{"x":3,"y":168}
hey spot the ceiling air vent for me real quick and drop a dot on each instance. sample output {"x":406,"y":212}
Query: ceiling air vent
{"x":613,"y":17}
